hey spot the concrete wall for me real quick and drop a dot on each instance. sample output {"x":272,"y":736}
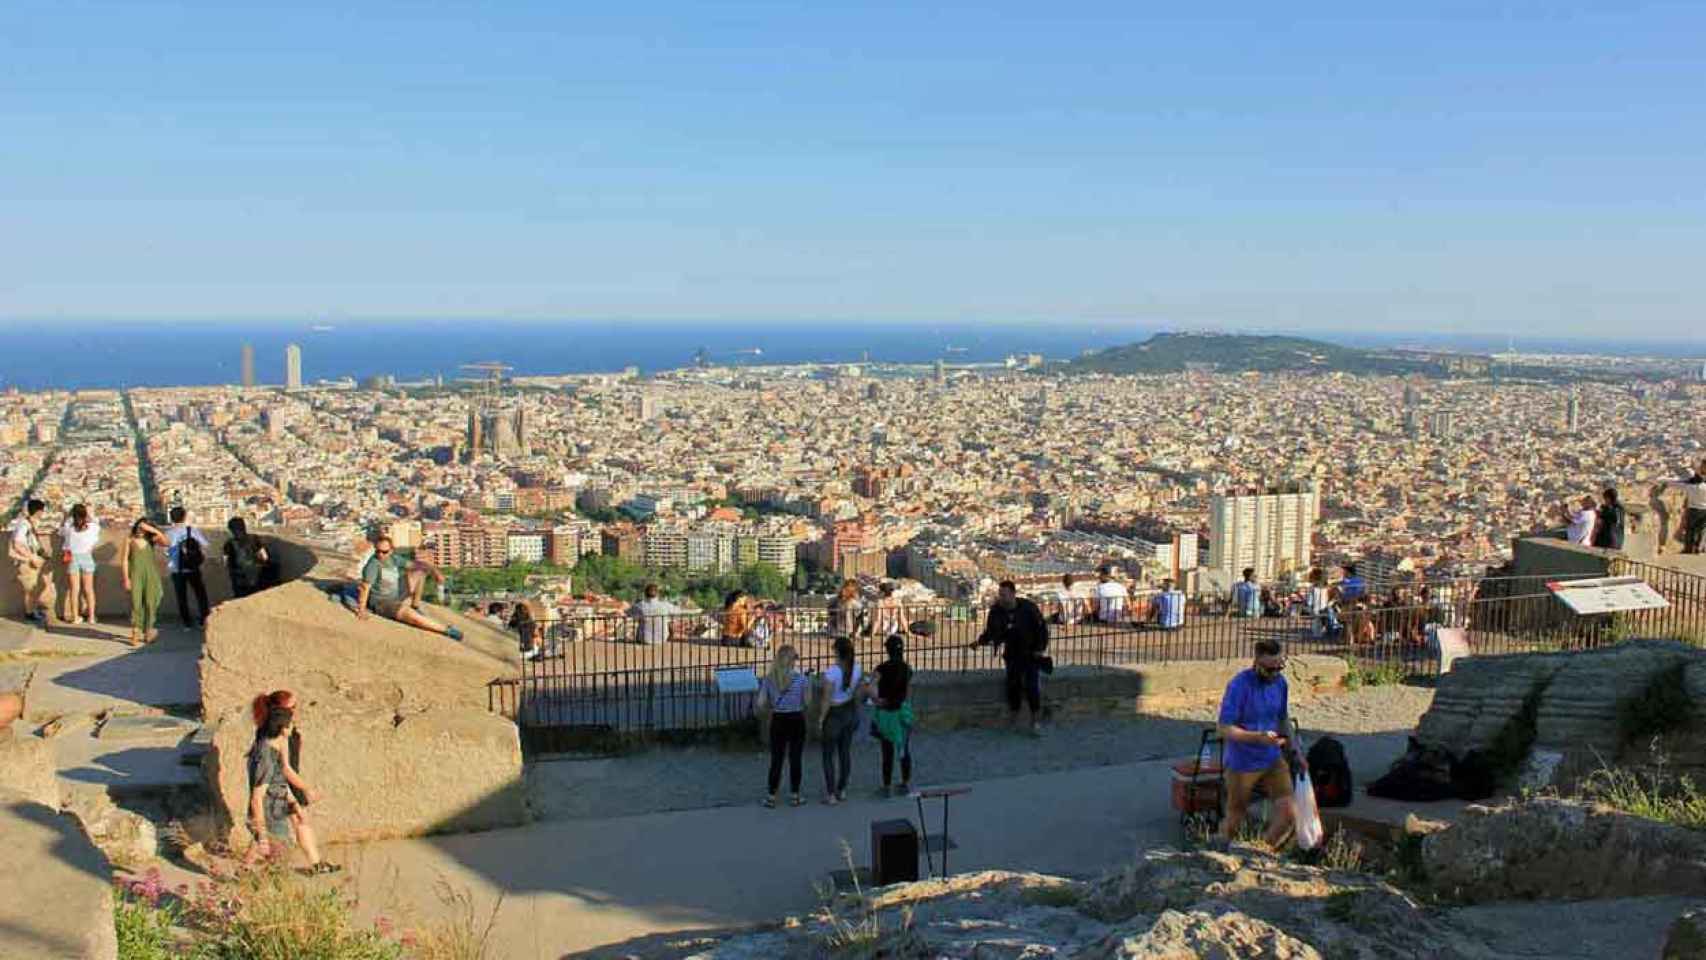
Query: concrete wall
{"x":1546,"y":557}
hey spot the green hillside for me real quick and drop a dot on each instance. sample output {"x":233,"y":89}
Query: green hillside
{"x":1233,"y":353}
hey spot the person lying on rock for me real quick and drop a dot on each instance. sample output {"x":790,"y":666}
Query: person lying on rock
{"x":1253,"y":721}
{"x":391,"y":587}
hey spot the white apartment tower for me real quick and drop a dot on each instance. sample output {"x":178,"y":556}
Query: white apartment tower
{"x":293,"y":367}
{"x":1270,"y":530}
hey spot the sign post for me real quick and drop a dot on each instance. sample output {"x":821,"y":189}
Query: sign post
{"x":1607,"y":595}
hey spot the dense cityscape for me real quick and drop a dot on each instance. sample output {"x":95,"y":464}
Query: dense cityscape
{"x":948,"y":477}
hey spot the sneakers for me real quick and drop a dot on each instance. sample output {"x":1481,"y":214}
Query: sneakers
{"x":453,"y":634}
{"x":532,"y":654}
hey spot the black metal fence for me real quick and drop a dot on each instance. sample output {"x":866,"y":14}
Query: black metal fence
{"x":598,"y":677}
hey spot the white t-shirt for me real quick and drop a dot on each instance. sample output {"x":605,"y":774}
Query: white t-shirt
{"x":1111,"y":597}
{"x":838,"y":694}
{"x":1070,"y":606}
{"x":23,"y":535}
{"x":1581,"y":528}
{"x":82,"y":541}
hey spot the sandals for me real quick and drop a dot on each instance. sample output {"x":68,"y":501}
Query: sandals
{"x":769,"y":803}
{"x":798,"y":801}
{"x":321,"y":869}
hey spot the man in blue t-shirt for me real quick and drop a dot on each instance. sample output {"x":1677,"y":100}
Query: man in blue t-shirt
{"x":1352,"y":587}
{"x":1253,"y":722}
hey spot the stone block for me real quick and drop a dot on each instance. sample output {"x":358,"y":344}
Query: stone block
{"x":59,"y":891}
{"x":1475,"y":702}
{"x":128,"y":839}
{"x":1562,"y":849}
{"x":386,"y":774}
{"x":27,"y":767}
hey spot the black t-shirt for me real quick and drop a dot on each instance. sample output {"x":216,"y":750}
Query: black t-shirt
{"x":894,"y":680}
{"x":1608,"y":529}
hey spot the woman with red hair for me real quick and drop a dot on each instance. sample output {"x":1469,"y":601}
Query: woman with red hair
{"x":277,"y":794}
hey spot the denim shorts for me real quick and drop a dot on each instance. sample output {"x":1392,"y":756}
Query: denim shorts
{"x":82,"y":563}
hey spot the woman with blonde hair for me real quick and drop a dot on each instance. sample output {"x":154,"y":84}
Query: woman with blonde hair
{"x":783,"y":693}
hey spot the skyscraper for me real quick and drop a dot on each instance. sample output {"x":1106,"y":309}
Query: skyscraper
{"x":1271,"y":530}
{"x":1439,"y":424}
{"x":293,"y":367}
{"x":248,"y":365}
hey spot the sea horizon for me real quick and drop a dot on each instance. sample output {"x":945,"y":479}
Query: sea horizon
{"x":95,"y":354}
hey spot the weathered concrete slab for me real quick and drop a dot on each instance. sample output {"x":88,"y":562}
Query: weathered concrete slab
{"x":27,"y":767}
{"x":126,"y":681}
{"x":58,"y":901}
{"x":150,"y":728}
{"x":133,"y":765}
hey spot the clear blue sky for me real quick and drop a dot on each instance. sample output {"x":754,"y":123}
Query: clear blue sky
{"x":1532,"y":167}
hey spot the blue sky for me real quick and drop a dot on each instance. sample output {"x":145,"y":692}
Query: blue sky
{"x":1531,"y":167}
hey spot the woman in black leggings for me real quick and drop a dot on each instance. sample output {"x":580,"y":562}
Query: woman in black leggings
{"x":783,"y":692}
{"x":893,"y":722}
{"x":841,"y":689}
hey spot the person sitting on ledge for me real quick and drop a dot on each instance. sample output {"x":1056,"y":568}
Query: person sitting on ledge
{"x":391,"y":587}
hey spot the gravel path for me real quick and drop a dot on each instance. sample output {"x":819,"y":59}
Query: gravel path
{"x":1373,"y":722}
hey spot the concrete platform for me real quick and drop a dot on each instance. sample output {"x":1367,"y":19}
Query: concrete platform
{"x":141,"y":763}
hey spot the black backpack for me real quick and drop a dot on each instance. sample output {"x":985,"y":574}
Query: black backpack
{"x":245,"y":560}
{"x":190,"y":556}
{"x":1330,"y":772}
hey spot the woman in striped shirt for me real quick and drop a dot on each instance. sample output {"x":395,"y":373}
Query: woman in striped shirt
{"x":783,"y":692}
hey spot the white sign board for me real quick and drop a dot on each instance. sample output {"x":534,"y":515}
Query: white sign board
{"x":1607,"y":595}
{"x":736,"y":680}
{"x":1450,"y":643}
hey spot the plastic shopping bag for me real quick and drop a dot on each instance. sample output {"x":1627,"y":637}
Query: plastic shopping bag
{"x":1305,"y":818}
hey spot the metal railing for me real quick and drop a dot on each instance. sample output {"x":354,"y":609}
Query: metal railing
{"x":597,"y":677}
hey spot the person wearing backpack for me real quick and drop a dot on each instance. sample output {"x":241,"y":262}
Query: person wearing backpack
{"x":245,"y":558}
{"x":186,"y":551}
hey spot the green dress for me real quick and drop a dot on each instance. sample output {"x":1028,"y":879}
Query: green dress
{"x":145,"y":586}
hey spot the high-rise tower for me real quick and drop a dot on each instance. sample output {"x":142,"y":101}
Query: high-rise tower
{"x":293,"y":367}
{"x":248,"y":365}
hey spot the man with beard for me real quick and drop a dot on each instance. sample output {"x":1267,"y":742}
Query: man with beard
{"x":1253,"y":724}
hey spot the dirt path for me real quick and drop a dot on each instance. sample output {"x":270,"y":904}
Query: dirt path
{"x":1373,"y":722}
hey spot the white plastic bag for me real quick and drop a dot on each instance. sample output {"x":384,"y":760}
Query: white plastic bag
{"x":1305,"y":817}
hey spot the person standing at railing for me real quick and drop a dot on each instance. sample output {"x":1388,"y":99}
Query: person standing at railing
{"x":888,"y":617}
{"x":1247,"y":595}
{"x":652,"y":616}
{"x":1608,"y":522}
{"x":1322,"y":604}
{"x":893,"y":721}
{"x":846,"y":611}
{"x":1580,"y":521}
{"x":527,"y":619}
{"x":1694,"y":509}
{"x":840,"y":689}
{"x":1017,"y":629}
{"x":783,"y":694}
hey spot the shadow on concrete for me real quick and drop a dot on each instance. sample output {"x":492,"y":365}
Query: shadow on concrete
{"x":661,"y":946}
{"x":57,"y":884}
{"x":137,"y":675}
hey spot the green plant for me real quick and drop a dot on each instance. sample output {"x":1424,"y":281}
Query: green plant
{"x":861,"y":935}
{"x":467,"y":935}
{"x":271,"y":915}
{"x":1385,"y":673}
{"x":1653,"y":795}
{"x":145,"y":923}
{"x":1055,"y":895}
{"x":1342,"y":853}
{"x":1341,"y":906}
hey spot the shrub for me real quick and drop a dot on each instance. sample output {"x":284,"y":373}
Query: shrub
{"x":1655,"y":796}
{"x":271,"y":916}
{"x":144,"y":922}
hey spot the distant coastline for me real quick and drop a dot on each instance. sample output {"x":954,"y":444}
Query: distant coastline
{"x":87,"y":354}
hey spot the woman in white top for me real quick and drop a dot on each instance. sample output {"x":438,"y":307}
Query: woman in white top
{"x":840,"y":690}
{"x":783,"y":694}
{"x":80,"y":535}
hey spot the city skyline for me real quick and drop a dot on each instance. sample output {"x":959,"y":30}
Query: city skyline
{"x":1336,"y":168}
